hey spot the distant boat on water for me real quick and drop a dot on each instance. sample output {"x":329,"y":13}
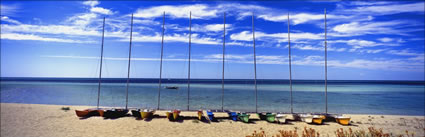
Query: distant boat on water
{"x":171,"y":87}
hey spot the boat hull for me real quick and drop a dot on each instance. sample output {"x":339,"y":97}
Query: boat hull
{"x":169,"y":115}
{"x":210,"y":115}
{"x":244,"y":117}
{"x":281,"y":118}
{"x":233,"y":116}
{"x":89,"y":112}
{"x":117,"y":113}
{"x":146,"y":114}
{"x":176,"y":114}
{"x":343,"y":121}
{"x":82,"y":113}
{"x":136,"y":113}
{"x":317,"y":121}
{"x":271,"y":118}
{"x":200,"y":113}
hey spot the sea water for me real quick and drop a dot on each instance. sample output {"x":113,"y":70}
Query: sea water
{"x":347,"y":97}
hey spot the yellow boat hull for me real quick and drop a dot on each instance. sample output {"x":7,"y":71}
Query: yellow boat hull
{"x":146,"y":114}
{"x":318,"y":120}
{"x":175,"y":115}
{"x":343,"y":121}
{"x":200,"y":115}
{"x":169,"y":115}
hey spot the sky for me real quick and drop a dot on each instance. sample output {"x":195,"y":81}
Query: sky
{"x":381,"y":40}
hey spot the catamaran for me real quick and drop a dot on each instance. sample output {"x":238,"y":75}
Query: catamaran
{"x":95,"y":111}
{"x":116,"y":113}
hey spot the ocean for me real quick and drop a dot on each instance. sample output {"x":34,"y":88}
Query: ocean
{"x":344,"y":96}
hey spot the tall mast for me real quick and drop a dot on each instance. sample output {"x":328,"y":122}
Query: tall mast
{"x":101,"y":60}
{"x":128,"y":68}
{"x":255,"y":63}
{"x":160,"y":65}
{"x":222,"y":72}
{"x":290,"y":67}
{"x":326,"y":68}
{"x":188,"y":74}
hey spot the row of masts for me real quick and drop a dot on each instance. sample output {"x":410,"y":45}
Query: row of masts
{"x":223,"y":63}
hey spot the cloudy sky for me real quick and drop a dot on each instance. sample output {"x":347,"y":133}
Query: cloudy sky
{"x":366,"y":40}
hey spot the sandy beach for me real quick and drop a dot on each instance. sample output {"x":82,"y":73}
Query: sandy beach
{"x":27,"y":120}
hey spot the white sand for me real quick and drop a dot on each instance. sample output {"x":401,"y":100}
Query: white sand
{"x":24,"y":120}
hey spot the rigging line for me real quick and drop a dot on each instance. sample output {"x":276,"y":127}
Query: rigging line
{"x":160,"y":66}
{"x":290,"y":67}
{"x":224,"y":48}
{"x":255,"y":63}
{"x":326,"y":69}
{"x":188,"y":74}
{"x":129,"y":59}
{"x":101,"y":58}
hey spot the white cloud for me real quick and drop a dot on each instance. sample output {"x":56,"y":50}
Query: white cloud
{"x":14,"y":36}
{"x":374,"y":64}
{"x":300,"y":17}
{"x":100,"y":10}
{"x":316,"y":48}
{"x":217,"y":27}
{"x":200,"y":11}
{"x":175,"y":38}
{"x":389,"y":9}
{"x":8,"y":10}
{"x":49,"y":29}
{"x":385,"y":39}
{"x":280,"y":37}
{"x":374,"y":51}
{"x":362,"y":28}
{"x":91,"y":3}
{"x":404,"y":52}
{"x":7,"y":19}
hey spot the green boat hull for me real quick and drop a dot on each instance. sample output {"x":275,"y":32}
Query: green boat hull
{"x":271,"y":118}
{"x":243,"y":117}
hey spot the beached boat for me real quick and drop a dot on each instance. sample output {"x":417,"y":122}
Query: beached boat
{"x":173,"y":115}
{"x":244,"y":117}
{"x":340,"y":119}
{"x":281,"y":118}
{"x":89,"y":112}
{"x":136,"y":113}
{"x":271,"y":117}
{"x":147,"y":113}
{"x":169,"y":115}
{"x":233,"y":116}
{"x":200,"y":114}
{"x":309,"y":118}
{"x":97,"y":111}
{"x":171,"y":87}
{"x":115,"y":113}
{"x":210,"y":115}
{"x":176,"y":114}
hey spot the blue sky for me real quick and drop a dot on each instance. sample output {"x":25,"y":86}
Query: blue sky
{"x":381,"y":40}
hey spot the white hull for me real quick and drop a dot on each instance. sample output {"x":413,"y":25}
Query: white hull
{"x":281,"y":118}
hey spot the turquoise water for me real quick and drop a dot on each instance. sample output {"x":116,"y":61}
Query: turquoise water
{"x":353,"y":97}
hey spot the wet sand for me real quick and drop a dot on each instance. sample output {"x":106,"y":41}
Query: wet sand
{"x":28,"y":120}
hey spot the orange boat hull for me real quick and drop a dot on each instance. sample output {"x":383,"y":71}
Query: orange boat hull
{"x":82,"y":113}
{"x":89,"y":112}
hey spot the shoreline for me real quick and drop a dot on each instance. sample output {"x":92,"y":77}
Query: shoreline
{"x":107,"y":107}
{"x":49,"y":120}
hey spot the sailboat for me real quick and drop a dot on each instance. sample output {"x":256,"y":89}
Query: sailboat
{"x":343,"y":120}
{"x":116,"y":113}
{"x":172,"y":115}
{"x":95,"y":111}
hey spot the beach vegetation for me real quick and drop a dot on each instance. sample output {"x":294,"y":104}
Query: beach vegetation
{"x":310,"y":132}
